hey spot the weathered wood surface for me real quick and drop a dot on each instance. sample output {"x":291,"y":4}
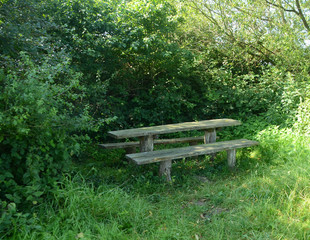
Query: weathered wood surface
{"x":157,"y":141}
{"x":146,"y":144}
{"x":170,"y":128}
{"x":210,"y":136}
{"x":179,"y":153}
{"x":165,"y":169}
{"x":231,"y":158}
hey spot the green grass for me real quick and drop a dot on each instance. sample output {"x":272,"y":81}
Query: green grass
{"x":268,"y":197}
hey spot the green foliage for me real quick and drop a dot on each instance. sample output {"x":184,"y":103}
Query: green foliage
{"x":152,"y":63}
{"x":40,"y":128}
{"x":249,"y":65}
{"x":128,"y":54}
{"x":302,"y":123}
{"x":69,"y":69}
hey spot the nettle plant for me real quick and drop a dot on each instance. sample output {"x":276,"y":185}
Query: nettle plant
{"x":41,"y":119}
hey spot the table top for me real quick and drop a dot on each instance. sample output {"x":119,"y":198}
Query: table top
{"x":177,"y":127}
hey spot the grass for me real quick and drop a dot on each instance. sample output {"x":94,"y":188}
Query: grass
{"x":268,"y":197}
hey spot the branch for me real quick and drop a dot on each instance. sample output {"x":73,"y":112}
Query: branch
{"x":298,"y":12}
{"x":229,"y":34}
{"x":283,"y":8}
{"x":302,"y":16}
{"x":206,"y":15}
{"x":287,"y":2}
{"x":282,"y":13}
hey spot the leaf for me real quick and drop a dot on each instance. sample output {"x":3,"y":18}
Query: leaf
{"x":38,"y":194}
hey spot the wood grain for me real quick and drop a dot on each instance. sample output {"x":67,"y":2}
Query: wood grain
{"x":170,"y":128}
{"x":146,"y":144}
{"x":165,"y":169}
{"x":231,"y":158}
{"x":179,"y":153}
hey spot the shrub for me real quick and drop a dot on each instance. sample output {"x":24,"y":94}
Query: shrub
{"x":40,"y":127}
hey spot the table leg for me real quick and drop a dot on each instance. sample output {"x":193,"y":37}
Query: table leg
{"x":146,"y":143}
{"x":165,"y":169}
{"x":231,"y":158}
{"x":210,"y":137}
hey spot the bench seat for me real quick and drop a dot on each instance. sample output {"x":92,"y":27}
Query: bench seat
{"x":167,"y":155}
{"x":177,"y":153}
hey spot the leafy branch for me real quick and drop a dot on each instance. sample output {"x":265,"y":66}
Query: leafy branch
{"x":299,"y":12}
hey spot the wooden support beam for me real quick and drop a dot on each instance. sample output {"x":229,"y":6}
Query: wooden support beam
{"x":165,"y":169}
{"x":156,"y":142}
{"x":231,"y":158}
{"x":210,"y":137}
{"x":146,"y":143}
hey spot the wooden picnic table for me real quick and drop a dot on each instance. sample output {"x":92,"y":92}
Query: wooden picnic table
{"x":146,"y":142}
{"x":146,"y":134}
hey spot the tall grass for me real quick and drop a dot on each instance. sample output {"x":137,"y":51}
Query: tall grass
{"x":268,"y":197}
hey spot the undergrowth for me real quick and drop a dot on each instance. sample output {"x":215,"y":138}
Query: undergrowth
{"x":268,"y":197}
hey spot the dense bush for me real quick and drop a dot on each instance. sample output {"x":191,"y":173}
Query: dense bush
{"x":66,"y":68}
{"x":40,"y":128}
{"x":129,"y":56}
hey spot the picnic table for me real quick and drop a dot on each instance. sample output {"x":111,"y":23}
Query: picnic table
{"x":146,"y":137}
{"x":146,"y":134}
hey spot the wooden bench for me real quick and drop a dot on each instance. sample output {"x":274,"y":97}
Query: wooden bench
{"x":130,"y":147}
{"x":167,"y":155}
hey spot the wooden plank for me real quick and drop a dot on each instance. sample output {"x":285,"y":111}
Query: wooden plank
{"x":179,"y":140}
{"x":179,"y":153}
{"x":119,"y":145}
{"x":156,"y":142}
{"x":170,"y":128}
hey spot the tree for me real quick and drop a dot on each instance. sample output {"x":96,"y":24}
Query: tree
{"x":270,"y":32}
